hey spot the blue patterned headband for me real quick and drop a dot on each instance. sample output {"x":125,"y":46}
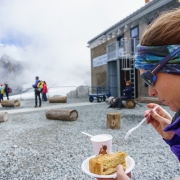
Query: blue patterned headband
{"x":147,"y":56}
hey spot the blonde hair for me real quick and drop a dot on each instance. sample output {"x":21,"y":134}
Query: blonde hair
{"x":164,"y":30}
{"x":129,"y":82}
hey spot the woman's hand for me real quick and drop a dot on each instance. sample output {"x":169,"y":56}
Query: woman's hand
{"x":121,"y":175}
{"x":159,"y":119}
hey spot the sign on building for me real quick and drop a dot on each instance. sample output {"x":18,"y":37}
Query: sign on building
{"x":100,"y":60}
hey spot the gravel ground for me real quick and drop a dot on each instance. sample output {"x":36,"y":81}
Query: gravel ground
{"x":27,"y":103}
{"x":33,"y":147}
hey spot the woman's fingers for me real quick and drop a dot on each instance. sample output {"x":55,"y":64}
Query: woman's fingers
{"x":121,"y":175}
{"x":120,"y":168}
{"x":162,"y":120}
{"x":159,"y":120}
{"x":162,"y":112}
{"x":105,"y":179}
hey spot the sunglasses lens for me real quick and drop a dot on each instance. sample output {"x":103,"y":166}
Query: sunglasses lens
{"x":148,"y":78}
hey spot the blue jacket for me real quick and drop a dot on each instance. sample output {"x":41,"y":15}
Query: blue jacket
{"x":174,"y":143}
{"x":128,"y":92}
{"x":35,"y":85}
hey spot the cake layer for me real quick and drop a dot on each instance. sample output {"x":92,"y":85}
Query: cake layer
{"x":106,"y":164}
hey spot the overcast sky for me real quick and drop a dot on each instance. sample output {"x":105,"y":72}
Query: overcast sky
{"x":53,"y":34}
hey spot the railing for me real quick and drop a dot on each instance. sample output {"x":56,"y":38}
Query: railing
{"x":124,"y":49}
{"x":99,"y":90}
{"x":70,"y":91}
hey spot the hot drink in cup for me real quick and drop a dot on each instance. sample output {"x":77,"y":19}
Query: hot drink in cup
{"x":102,"y":144}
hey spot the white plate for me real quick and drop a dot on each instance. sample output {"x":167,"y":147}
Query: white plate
{"x":85,"y":167}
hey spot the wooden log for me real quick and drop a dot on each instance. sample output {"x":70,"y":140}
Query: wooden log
{"x":62,"y":114}
{"x":3,"y":116}
{"x":58,"y":99}
{"x":113,"y":120}
{"x":130,"y":103}
{"x":10,"y":103}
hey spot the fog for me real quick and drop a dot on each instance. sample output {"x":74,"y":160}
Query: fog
{"x":52,"y":35}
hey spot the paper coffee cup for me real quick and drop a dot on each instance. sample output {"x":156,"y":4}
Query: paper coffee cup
{"x":102,"y":144}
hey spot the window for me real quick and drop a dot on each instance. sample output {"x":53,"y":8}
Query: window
{"x":134,"y":32}
{"x":111,"y":51}
{"x":120,"y":45}
{"x":134,"y":38}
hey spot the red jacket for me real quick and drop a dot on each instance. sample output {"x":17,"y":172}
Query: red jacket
{"x":44,"y":90}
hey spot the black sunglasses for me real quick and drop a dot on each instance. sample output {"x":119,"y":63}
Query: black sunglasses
{"x":150,"y":75}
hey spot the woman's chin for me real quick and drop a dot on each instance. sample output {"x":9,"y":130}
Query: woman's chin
{"x":173,"y":108}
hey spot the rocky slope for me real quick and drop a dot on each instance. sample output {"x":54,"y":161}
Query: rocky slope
{"x":11,"y":72}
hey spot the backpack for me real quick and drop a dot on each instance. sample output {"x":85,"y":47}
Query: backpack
{"x":40,"y":86}
{"x":1,"y":90}
{"x":114,"y":103}
{"x":9,"y":90}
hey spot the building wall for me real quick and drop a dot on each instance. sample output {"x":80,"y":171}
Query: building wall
{"x":99,"y":74}
{"x":142,"y":27}
{"x":127,"y":34}
{"x":142,"y":88}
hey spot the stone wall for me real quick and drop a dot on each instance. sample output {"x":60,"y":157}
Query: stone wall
{"x":81,"y":91}
{"x":99,"y":74}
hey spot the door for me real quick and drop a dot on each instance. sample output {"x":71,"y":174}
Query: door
{"x":112,"y":77}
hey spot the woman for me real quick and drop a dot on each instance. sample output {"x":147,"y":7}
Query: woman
{"x":44,"y":91}
{"x":161,"y":43}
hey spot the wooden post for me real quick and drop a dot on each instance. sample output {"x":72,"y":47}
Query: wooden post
{"x":10,"y":103}
{"x":62,"y":114}
{"x":3,"y":116}
{"x":130,"y":103}
{"x":113,"y":120}
{"x":58,"y":99}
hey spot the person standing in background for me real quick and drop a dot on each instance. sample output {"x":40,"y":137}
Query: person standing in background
{"x":44,"y":91}
{"x":1,"y":92}
{"x":36,"y":92}
{"x":6,"y":90}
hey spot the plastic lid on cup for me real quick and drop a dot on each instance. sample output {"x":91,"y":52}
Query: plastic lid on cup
{"x":101,"y":138}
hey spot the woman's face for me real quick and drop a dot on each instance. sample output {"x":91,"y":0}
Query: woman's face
{"x":166,"y":89}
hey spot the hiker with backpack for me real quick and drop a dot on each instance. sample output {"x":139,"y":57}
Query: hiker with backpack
{"x":37,"y":91}
{"x":1,"y":92}
{"x":6,"y":90}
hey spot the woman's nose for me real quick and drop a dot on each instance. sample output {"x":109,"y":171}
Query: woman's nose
{"x":152,"y":91}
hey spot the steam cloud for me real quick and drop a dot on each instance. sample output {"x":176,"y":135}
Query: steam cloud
{"x":52,"y":35}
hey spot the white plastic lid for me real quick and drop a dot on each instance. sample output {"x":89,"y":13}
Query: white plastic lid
{"x":101,"y":138}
